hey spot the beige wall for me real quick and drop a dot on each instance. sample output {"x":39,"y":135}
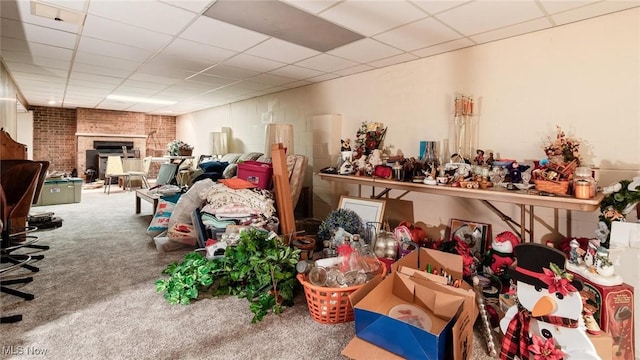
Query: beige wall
{"x":8,"y":102}
{"x":584,"y":77}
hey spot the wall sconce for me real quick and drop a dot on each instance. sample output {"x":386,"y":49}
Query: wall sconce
{"x":219,"y":143}
{"x":279,"y":133}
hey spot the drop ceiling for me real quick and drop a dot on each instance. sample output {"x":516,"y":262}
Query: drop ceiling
{"x":178,"y":51}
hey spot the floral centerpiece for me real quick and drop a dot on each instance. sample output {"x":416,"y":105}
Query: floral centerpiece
{"x":620,"y":199}
{"x":562,"y":149}
{"x":179,"y":147}
{"x":369,"y":137}
{"x":563,"y":157}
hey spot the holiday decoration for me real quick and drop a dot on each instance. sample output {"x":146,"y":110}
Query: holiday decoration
{"x":547,"y":310}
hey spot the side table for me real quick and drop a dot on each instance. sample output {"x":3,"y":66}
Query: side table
{"x":144,"y":194}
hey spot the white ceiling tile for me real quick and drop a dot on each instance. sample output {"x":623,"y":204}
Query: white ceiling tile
{"x":283,"y":51}
{"x":178,"y":62}
{"x":114,"y":50}
{"x":354,"y":70}
{"x":130,"y":35}
{"x":95,"y":78}
{"x":181,"y":92}
{"x":252,"y":85}
{"x":593,"y":10}
{"x":151,"y":15}
{"x":419,"y":34}
{"x":114,"y":105}
{"x":196,"y":6}
{"x":134,"y":91}
{"x":212,"y":80}
{"x":37,"y":34}
{"x":38,"y":70}
{"x":230,"y":72}
{"x":143,"y":85}
{"x":297,"y":84}
{"x":365,"y":50}
{"x":312,"y":6}
{"x":254,"y":63}
{"x":393,"y":60}
{"x":556,"y":6}
{"x":198,"y":51}
{"x":206,"y":30}
{"x":486,"y":15}
{"x":437,"y":6}
{"x":296,"y":72}
{"x":35,"y":49}
{"x":77,"y":5}
{"x":230,"y":91}
{"x":441,"y":48}
{"x":324,"y":77}
{"x":165,"y":80}
{"x":372,"y":17}
{"x":91,"y":87}
{"x":101,"y":70}
{"x":12,"y":56}
{"x":104,"y":61}
{"x":514,"y":30}
{"x":271,"y":79}
{"x":325,"y":62}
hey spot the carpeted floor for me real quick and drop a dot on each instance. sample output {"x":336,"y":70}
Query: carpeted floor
{"x":96,"y":299}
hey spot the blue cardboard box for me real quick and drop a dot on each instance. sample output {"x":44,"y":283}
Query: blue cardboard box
{"x":374,"y":323}
{"x":379,"y":335}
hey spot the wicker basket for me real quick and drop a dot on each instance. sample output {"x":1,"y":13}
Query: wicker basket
{"x":560,"y":187}
{"x":185,"y":152}
{"x":330,"y":305}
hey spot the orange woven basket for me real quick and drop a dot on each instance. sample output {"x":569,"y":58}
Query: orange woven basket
{"x":330,"y":305}
{"x":560,"y":187}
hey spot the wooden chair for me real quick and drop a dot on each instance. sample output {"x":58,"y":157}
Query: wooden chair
{"x":114,"y":170}
{"x":146,"y":165}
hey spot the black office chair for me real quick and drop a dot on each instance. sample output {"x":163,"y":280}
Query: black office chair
{"x":19,"y":182}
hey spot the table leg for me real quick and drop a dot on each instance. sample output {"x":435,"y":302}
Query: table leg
{"x":138,"y":204}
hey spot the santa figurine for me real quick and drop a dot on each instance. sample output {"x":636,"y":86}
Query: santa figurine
{"x":500,"y":256}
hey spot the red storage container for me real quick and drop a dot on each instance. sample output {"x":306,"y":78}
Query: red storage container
{"x":257,"y":173}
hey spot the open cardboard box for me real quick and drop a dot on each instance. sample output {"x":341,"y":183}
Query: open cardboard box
{"x":373,"y":301}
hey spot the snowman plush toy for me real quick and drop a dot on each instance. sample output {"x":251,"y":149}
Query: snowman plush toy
{"x":546,"y":321}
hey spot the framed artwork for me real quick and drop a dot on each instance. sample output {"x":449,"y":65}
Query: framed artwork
{"x":476,"y":235}
{"x":369,"y":210}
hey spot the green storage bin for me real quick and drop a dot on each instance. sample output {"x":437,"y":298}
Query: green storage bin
{"x":60,"y":191}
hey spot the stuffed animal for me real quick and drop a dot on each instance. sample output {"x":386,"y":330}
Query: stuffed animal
{"x":500,"y":256}
{"x":345,"y":144}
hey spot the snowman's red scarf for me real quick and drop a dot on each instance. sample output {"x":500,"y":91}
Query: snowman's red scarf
{"x":516,"y":339}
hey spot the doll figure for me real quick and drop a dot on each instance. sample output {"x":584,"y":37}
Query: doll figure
{"x":345,"y":145}
{"x":574,"y":256}
{"x":480,"y":157}
{"x":500,"y":256}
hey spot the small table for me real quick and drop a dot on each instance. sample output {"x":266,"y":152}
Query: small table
{"x":144,"y":194}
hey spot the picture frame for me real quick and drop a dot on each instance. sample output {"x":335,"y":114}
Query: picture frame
{"x":477,"y":235}
{"x":369,"y":210}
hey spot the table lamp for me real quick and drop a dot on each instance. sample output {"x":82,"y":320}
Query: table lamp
{"x":219,"y":142}
{"x":279,"y":133}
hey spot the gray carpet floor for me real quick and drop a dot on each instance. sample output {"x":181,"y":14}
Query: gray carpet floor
{"x":96,"y":299}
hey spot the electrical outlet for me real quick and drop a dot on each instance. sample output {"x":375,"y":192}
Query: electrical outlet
{"x":267,"y":117}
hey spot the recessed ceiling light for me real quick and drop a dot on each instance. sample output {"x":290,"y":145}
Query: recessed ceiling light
{"x":52,"y":102}
{"x":136,"y":99}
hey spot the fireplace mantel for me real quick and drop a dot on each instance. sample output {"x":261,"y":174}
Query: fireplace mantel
{"x":113,"y":135}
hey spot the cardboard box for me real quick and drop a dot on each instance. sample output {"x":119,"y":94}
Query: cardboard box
{"x":436,"y":311}
{"x":603,"y":344}
{"x":612,"y":308}
{"x":457,"y":338}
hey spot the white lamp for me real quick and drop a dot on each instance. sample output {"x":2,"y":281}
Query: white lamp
{"x":278,"y":133}
{"x":219,"y":142}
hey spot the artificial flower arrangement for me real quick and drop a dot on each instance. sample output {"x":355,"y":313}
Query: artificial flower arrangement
{"x":620,"y":199}
{"x":176,"y":147}
{"x":555,"y":171}
{"x":369,"y":137}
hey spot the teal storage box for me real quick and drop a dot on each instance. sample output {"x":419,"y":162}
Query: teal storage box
{"x":60,"y":191}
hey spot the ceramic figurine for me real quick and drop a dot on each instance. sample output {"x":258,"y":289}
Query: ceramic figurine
{"x":548,"y":309}
{"x":516,"y":170}
{"x":375,"y":158}
{"x":590,"y":255}
{"x":345,"y":145}
{"x":480,"y":157}
{"x":574,"y":256}
{"x":603,"y":265}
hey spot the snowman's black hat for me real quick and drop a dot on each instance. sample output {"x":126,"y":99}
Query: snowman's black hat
{"x":532,"y":258}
